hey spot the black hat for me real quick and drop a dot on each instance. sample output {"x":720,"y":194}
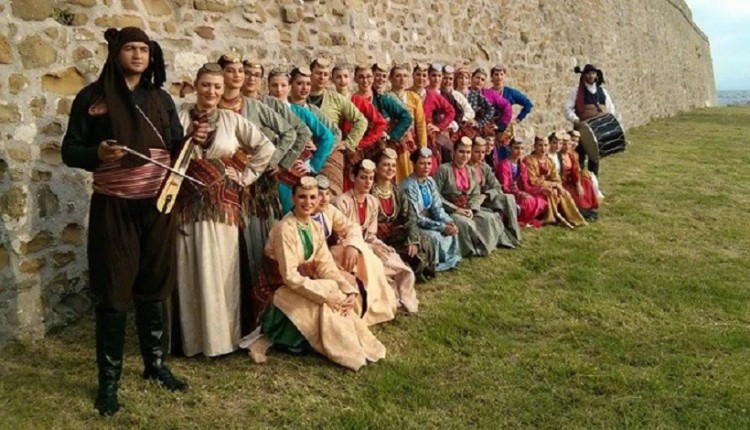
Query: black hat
{"x":591,"y":68}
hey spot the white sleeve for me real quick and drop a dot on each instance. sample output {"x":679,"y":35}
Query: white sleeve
{"x":469,"y":113}
{"x":570,"y":106}
{"x":261,"y":149}
{"x":610,"y":104}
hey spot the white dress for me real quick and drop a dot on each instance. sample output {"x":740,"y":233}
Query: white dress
{"x":208,"y":254}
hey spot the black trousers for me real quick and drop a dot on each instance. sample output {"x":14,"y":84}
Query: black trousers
{"x":132,"y":252}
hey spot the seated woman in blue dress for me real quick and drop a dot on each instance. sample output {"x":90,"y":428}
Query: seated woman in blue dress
{"x":427,"y":204}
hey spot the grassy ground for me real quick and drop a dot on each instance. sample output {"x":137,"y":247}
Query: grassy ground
{"x":639,"y":320}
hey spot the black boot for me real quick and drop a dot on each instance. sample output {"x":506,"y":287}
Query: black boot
{"x":149,"y":318}
{"x":110,"y":339}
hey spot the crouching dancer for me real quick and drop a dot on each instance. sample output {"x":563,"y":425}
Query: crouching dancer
{"x":313,"y":307}
{"x":131,"y":245}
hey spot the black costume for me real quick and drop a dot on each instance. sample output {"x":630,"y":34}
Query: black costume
{"x":131,"y":245}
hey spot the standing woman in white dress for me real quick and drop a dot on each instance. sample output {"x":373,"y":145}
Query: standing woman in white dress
{"x":233,"y":156}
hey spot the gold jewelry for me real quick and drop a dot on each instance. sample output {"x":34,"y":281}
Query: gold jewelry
{"x":382,"y":193}
{"x":233,"y":104}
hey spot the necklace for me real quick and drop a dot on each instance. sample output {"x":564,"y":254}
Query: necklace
{"x":305,"y":225}
{"x":234,"y":104}
{"x":383,"y":193}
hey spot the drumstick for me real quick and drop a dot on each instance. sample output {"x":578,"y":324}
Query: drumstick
{"x":162,"y":165}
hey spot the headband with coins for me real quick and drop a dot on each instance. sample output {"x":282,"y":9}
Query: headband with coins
{"x":252,"y":65}
{"x":301,"y":71}
{"x":323,"y":182}
{"x":361,"y":68}
{"x":368,"y":165}
{"x":498,"y":68}
{"x":420,"y":152}
{"x":210,"y":68}
{"x":230,"y":57}
{"x":390,"y":153}
{"x":419,"y":67}
{"x":379,"y":67}
{"x":308,"y":182}
{"x":479,"y":70}
{"x":320,"y":62}
{"x":276,"y":71}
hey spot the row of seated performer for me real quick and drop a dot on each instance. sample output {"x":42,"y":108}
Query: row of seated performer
{"x":319,"y":276}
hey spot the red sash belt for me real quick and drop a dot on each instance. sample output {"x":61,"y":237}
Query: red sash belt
{"x":142,"y":182}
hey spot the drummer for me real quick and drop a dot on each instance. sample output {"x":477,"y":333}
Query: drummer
{"x":589,"y":100}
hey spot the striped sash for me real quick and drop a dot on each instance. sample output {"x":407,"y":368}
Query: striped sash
{"x":141,"y":182}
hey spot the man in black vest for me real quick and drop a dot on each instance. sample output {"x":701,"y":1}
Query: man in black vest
{"x":131,"y":245}
{"x":588,"y":100}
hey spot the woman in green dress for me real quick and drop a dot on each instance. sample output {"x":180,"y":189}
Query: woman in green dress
{"x":312,"y":306}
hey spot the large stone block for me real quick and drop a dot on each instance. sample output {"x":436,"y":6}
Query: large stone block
{"x":33,"y":265}
{"x":32,"y":10}
{"x":41,"y":241}
{"x":65,"y":82}
{"x":73,"y":234}
{"x":36,"y":52}
{"x":158,"y":7}
{"x":62,"y":259}
{"x":6,"y":50}
{"x":214,"y":5}
{"x":38,"y":106}
{"x":50,"y":154}
{"x":17,"y":83}
{"x":9,"y":113}
{"x":47,"y":202}
{"x":119,"y":21}
{"x":84,"y":3}
{"x":291,"y":14}
{"x":13,"y":203}
{"x":4,"y":258}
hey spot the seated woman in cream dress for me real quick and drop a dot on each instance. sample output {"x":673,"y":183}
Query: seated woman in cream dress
{"x":362,"y":208}
{"x":314,"y":306}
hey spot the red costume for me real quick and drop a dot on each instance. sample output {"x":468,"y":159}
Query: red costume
{"x":516,"y":181}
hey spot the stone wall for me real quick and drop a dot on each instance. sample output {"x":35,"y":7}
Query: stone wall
{"x":657,"y":62}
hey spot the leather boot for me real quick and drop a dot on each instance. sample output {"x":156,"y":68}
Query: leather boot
{"x":149,"y":318}
{"x":110,"y":339}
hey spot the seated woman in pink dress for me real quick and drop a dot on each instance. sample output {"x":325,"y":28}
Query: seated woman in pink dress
{"x":514,"y":179}
{"x":578,"y":185}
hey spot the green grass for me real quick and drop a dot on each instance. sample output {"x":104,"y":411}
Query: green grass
{"x":640,"y":320}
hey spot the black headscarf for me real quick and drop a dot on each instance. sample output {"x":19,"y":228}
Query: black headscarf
{"x":128,"y":124}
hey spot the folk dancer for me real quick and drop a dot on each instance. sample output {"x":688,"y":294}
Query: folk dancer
{"x":363,"y":209}
{"x":542,"y":173}
{"x":337,"y":109}
{"x":233,"y":156}
{"x":312,"y":306}
{"x":131,"y":245}
{"x":514,"y":179}
{"x":480,"y":230}
{"x":416,"y":136}
{"x":494,"y":198}
{"x":432,"y":220}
